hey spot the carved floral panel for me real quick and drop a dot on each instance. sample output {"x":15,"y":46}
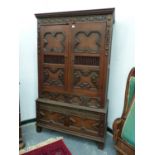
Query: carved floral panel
{"x":82,"y":100}
{"x":53,"y":76}
{"x":87,"y":79}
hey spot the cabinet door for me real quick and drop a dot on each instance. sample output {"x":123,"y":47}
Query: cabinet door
{"x":88,"y":59}
{"x":53,"y":59}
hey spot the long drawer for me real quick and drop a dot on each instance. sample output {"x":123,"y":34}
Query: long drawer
{"x":76,"y":120}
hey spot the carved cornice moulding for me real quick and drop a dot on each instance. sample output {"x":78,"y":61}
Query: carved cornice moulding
{"x":77,"y":13}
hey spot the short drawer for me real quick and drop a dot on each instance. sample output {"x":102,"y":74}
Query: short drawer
{"x":72,"y":119}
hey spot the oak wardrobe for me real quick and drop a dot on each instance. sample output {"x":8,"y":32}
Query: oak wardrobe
{"x":73,"y":69}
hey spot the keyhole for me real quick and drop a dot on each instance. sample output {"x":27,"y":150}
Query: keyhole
{"x":73,"y":26}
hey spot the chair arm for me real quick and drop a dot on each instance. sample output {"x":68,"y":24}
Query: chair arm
{"x":117,"y":128}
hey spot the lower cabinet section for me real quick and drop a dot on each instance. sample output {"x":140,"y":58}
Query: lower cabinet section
{"x":72,"y":119}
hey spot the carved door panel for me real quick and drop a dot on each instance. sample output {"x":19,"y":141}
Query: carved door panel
{"x":53,"y":58}
{"x":87,"y":55}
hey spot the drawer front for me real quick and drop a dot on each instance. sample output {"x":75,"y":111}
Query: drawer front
{"x":80,"y":121}
{"x":88,"y":101}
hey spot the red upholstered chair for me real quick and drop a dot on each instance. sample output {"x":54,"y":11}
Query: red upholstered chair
{"x":124,"y":127}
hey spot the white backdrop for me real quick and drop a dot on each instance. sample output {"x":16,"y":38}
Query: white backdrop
{"x":122,"y":54}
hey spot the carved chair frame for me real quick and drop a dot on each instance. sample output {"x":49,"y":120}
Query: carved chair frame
{"x":122,"y":147}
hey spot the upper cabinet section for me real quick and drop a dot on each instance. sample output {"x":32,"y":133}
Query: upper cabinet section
{"x":73,"y":56}
{"x":89,"y":31}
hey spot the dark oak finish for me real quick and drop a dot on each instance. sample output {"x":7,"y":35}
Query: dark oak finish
{"x":122,"y":147}
{"x":73,"y":66}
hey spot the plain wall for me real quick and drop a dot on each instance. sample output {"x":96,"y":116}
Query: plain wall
{"x":122,"y":54}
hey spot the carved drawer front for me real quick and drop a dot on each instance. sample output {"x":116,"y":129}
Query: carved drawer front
{"x":73,"y":99}
{"x":77,"y":120}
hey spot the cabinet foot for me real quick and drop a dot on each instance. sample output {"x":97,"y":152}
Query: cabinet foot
{"x":39,"y":129}
{"x":21,"y":143}
{"x":100,"y":145}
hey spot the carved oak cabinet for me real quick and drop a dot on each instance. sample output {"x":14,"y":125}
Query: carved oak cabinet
{"x":73,"y":67}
